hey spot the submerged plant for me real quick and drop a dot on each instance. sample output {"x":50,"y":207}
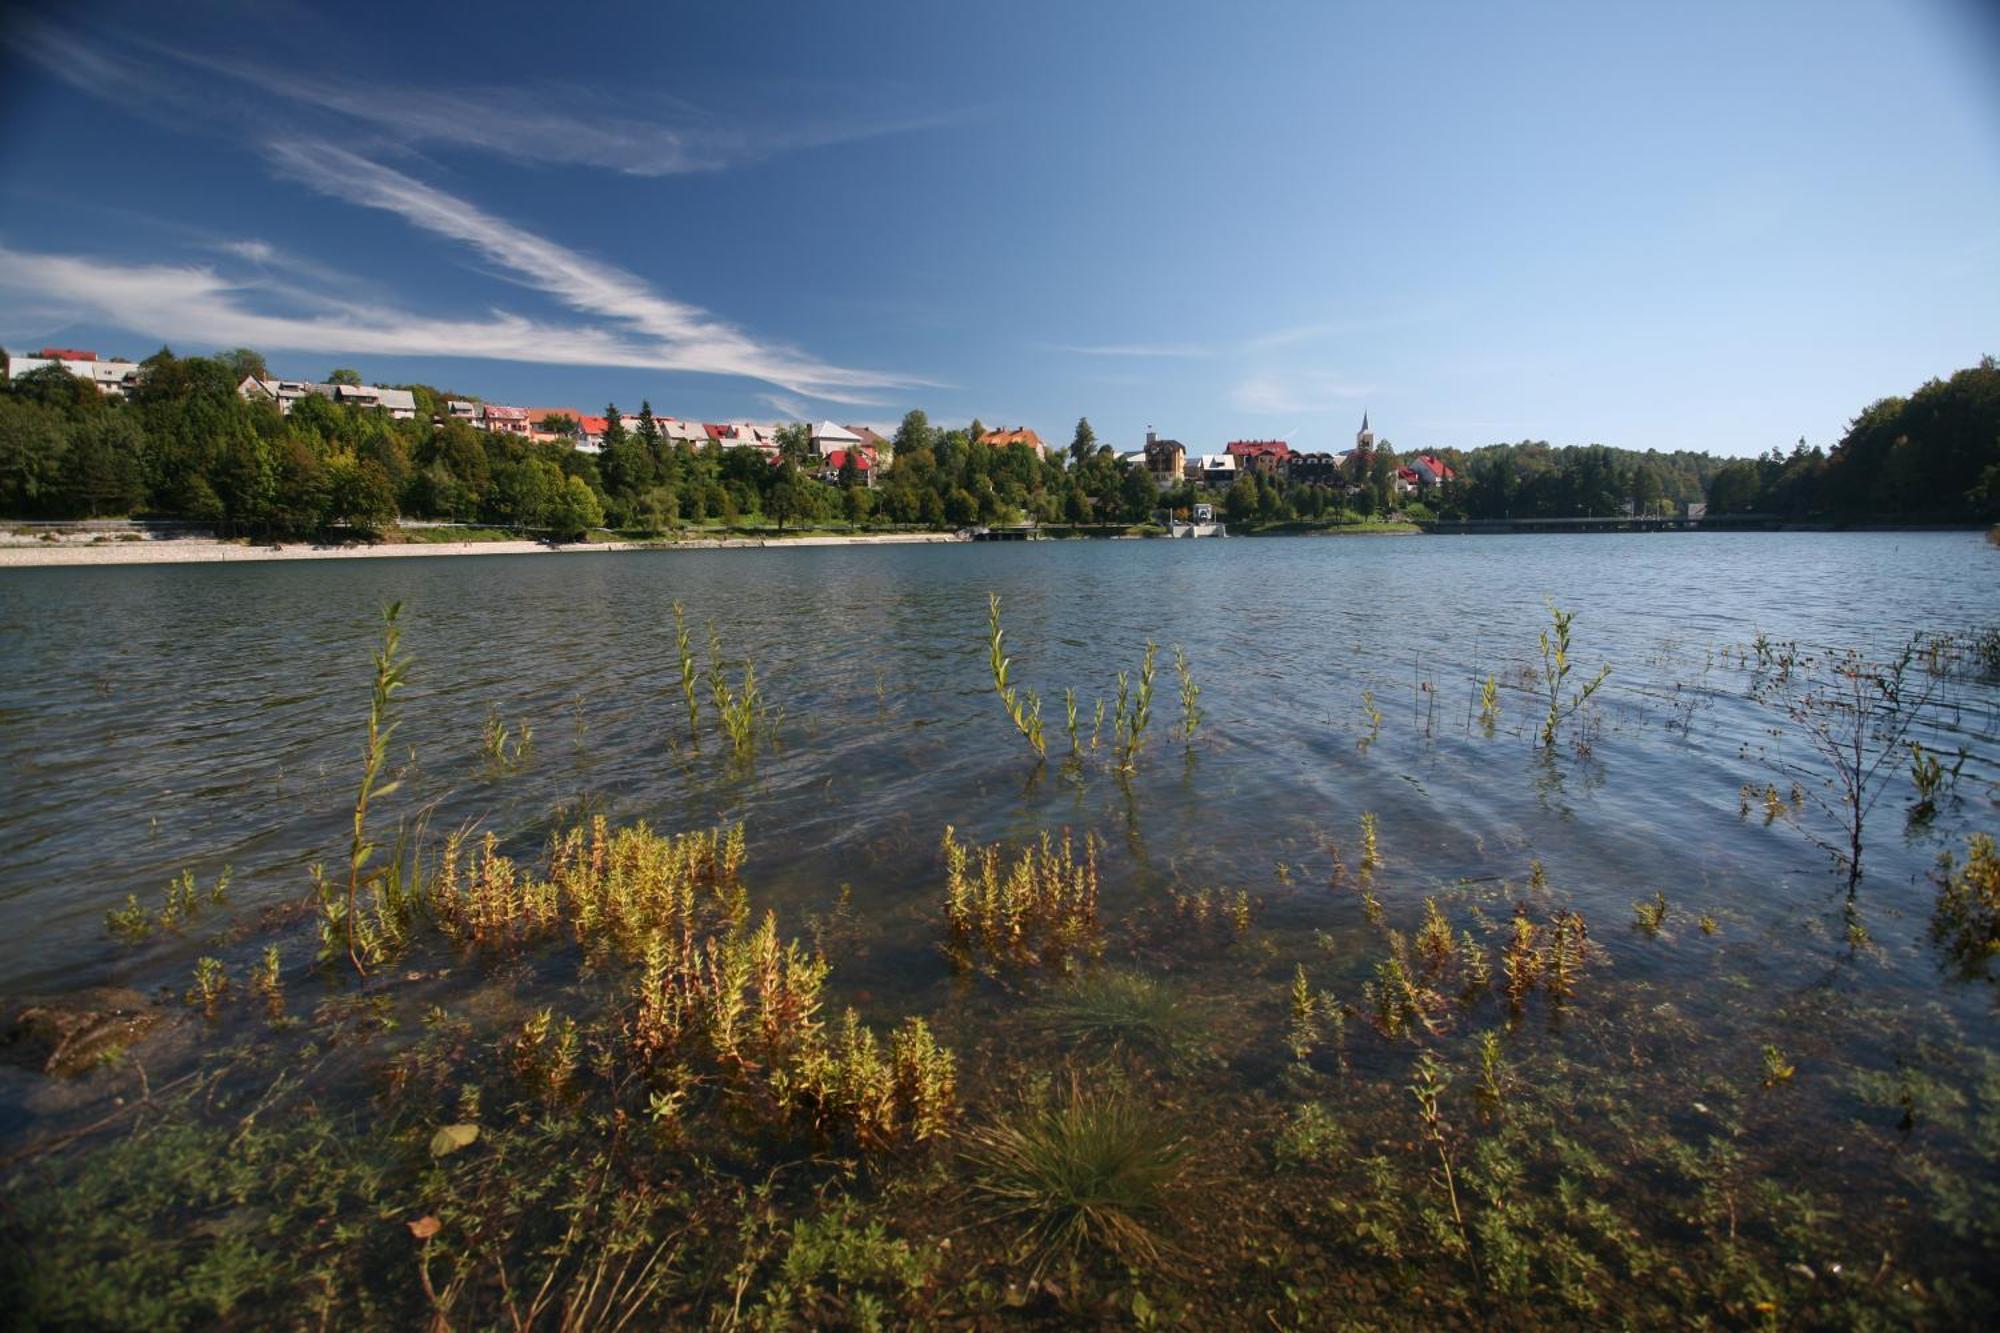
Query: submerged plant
{"x":1112,"y":1010}
{"x":1489,"y":703}
{"x":1565,"y":700}
{"x":211,"y":983}
{"x":1370,"y":853}
{"x":1024,"y":708}
{"x":1135,"y":710}
{"x":1041,"y":909}
{"x":1966,"y":919}
{"x":181,"y":901}
{"x":1088,"y":1173}
{"x":1649,"y":914}
{"x":505,"y":750}
{"x":1190,"y":695}
{"x":689,"y":673}
{"x":1777,"y":1069}
{"x":1303,"y":1034}
{"x":1931,"y":778}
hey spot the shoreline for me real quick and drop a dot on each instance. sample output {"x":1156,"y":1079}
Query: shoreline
{"x":196,"y":550}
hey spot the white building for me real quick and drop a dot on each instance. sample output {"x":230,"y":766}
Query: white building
{"x":400,"y":404}
{"x":828,"y":438}
{"x":115,"y":378}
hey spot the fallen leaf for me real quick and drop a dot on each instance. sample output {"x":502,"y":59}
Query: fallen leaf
{"x":424,"y":1227}
{"x":451,"y":1138}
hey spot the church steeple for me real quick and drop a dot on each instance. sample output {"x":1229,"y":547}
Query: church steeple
{"x":1364,"y":438}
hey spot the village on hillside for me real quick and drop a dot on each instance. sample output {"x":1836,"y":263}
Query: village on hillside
{"x":836,"y":449}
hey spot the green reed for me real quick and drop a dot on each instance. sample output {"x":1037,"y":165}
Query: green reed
{"x":690,"y":673}
{"x":1023,"y":707}
{"x":1135,"y":711}
{"x":1565,"y":700}
{"x":1190,"y":694}
{"x":1489,"y":703}
{"x":391,"y":670}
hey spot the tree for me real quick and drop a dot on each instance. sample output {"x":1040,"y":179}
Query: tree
{"x":1084,"y":443}
{"x":649,"y":429}
{"x":32,"y":444}
{"x":850,"y":469}
{"x":795,"y":442}
{"x":1138,"y":495}
{"x":915,"y":433}
{"x":244,"y":363}
{"x":573,"y":509}
{"x":784,"y":500}
{"x":343,"y":375}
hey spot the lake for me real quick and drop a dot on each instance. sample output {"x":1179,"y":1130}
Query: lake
{"x":162,"y":718}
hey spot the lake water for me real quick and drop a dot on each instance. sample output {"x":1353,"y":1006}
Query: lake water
{"x":160,"y":718}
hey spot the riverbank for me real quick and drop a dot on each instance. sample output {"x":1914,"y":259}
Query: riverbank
{"x":208,"y":550}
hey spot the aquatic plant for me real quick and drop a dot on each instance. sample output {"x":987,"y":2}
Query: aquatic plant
{"x":1088,"y":1172}
{"x":1777,"y":1069}
{"x":1429,"y":1079}
{"x":267,"y":982}
{"x":1303,"y":1034}
{"x":504,"y":749}
{"x":1190,"y":695}
{"x":391,"y":668}
{"x":1370,"y":853}
{"x":1966,"y":917}
{"x":1023,"y":708}
{"x":1112,"y":1010}
{"x":1565,"y":700}
{"x":1069,"y":721}
{"x":1489,"y":703}
{"x":1492,"y":1073}
{"x":211,"y":983}
{"x":689,"y":673}
{"x":1402,"y":1005}
{"x":1203,"y":906}
{"x":1855,"y":716}
{"x":1649,"y":914}
{"x":739,"y":712}
{"x":1041,"y":910}
{"x":1374,"y":716}
{"x":1312,"y":1137}
{"x":1931,"y":778}
{"x":182,"y":900}
{"x":1135,"y":710}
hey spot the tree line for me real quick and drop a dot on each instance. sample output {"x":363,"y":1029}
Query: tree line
{"x":185,"y":444}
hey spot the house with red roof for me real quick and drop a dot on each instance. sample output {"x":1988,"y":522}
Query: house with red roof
{"x":834,"y":462}
{"x":1431,"y":470}
{"x":1266,"y":456}
{"x":1020,"y":436}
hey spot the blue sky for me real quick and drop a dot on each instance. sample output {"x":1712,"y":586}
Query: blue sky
{"x":1718,"y":226}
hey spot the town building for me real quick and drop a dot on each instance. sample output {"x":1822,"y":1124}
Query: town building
{"x":828,"y":439}
{"x":1266,"y":456}
{"x":1019,"y":436}
{"x":400,"y":404}
{"x":1316,"y":469}
{"x":1166,"y":460}
{"x":112,"y":378}
{"x":1214,"y":469}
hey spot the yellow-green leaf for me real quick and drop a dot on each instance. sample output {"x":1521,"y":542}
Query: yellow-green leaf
{"x":451,"y":1138}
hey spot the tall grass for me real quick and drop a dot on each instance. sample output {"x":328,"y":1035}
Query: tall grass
{"x":1565,"y":700}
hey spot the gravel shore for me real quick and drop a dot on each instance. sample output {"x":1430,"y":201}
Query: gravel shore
{"x":190,"y":550}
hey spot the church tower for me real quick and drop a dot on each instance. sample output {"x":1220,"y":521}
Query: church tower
{"x":1364,"y":438}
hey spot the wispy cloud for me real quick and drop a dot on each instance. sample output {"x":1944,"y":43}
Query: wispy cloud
{"x":785,"y":406}
{"x":683,"y":336}
{"x":533,"y":120}
{"x":1286,"y":393}
{"x":196,"y":303}
{"x":1133,"y":349}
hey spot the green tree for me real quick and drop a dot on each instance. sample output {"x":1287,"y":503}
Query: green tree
{"x":343,"y":375}
{"x":1084,"y":443}
{"x":573,"y":508}
{"x":33,"y":440}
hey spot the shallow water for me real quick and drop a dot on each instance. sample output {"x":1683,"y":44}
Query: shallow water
{"x":161,"y":718}
{"x":155,"y":718}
